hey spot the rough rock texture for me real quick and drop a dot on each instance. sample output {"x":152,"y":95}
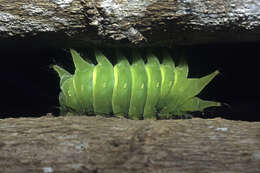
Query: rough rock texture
{"x":77,"y":23}
{"x":97,"y":144}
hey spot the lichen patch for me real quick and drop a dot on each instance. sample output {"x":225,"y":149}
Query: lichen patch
{"x":62,"y":3}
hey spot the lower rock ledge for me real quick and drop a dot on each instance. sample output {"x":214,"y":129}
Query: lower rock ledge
{"x":97,"y":144}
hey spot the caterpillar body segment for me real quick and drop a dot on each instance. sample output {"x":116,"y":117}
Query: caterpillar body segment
{"x":139,"y":87}
{"x":154,"y":79}
{"x":82,"y":82}
{"x":167,"y":78}
{"x":137,"y":90}
{"x":177,"y":92}
{"x":122,"y":86}
{"x":103,"y":83}
{"x":66,"y":84}
{"x":70,"y":94}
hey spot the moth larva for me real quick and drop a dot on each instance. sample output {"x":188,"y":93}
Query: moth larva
{"x":138,"y":91}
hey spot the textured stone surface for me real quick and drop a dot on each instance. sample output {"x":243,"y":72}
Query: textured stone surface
{"x":135,"y":22}
{"x":97,"y":144}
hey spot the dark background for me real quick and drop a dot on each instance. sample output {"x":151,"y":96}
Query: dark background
{"x":29,"y":87}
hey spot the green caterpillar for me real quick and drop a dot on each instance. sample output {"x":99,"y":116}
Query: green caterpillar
{"x":137,"y":91}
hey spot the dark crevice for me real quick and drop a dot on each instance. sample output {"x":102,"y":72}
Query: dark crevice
{"x":29,"y":86}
